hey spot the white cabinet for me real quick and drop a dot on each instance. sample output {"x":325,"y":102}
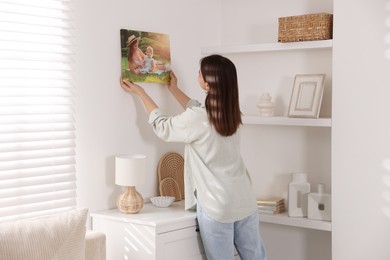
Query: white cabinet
{"x":152,"y":234}
{"x":180,"y":244}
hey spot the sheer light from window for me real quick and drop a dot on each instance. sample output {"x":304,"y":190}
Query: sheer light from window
{"x":37,"y":146}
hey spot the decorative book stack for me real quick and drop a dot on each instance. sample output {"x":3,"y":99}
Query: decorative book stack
{"x":270,"y":206}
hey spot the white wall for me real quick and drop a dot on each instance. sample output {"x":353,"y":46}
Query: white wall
{"x":361,"y":130}
{"x":109,"y":120}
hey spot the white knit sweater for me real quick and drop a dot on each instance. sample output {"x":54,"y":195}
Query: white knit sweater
{"x":212,"y":164}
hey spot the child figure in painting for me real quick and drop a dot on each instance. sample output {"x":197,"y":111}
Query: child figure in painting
{"x":149,"y":62}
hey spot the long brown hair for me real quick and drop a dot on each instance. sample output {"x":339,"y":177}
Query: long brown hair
{"x":222,"y":101}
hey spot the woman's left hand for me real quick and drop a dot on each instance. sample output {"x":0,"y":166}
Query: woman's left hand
{"x":172,"y":85}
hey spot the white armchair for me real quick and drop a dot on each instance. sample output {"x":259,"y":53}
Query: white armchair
{"x":95,"y":245}
{"x":56,"y":237}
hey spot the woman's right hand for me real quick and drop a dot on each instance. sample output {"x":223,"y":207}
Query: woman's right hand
{"x":134,"y":88}
{"x":131,"y":87}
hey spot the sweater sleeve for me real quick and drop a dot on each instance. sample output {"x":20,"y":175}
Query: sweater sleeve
{"x":178,"y":128}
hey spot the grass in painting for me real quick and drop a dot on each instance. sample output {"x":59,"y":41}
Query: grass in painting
{"x":150,"y":77}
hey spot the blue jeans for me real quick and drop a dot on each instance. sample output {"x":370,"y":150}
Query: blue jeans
{"x":219,"y":238}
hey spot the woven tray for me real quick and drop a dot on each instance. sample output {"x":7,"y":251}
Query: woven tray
{"x":169,"y":187}
{"x":308,"y":27}
{"x":171,"y":165}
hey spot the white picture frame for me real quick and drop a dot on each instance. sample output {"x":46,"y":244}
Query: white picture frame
{"x":306,"y":95}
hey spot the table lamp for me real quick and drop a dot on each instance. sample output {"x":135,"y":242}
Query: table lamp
{"x":130,"y":171}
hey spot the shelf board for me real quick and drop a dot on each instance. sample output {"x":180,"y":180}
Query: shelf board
{"x":287,"y":121}
{"x":284,"y":219}
{"x":267,"y":47}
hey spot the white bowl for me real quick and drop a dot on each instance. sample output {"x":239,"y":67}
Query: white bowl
{"x":162,"y":201}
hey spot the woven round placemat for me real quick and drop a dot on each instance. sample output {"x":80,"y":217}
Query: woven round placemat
{"x":172,"y":165}
{"x":169,"y":187}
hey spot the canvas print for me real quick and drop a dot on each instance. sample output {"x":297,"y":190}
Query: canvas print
{"x":145,"y":56}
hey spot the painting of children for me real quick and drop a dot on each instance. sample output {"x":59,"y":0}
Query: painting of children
{"x":145,"y":56}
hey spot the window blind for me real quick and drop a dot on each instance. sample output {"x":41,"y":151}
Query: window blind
{"x":37,"y":133}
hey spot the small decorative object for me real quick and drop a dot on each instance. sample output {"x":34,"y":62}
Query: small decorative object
{"x":270,"y":206}
{"x":130,"y":171}
{"x":309,"y":27}
{"x":265,"y":105}
{"x":162,"y":201}
{"x":170,"y":187}
{"x":320,"y":204}
{"x":306,"y":96}
{"x":298,"y":191}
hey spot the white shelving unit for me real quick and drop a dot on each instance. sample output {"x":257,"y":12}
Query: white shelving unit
{"x":275,"y":47}
{"x":287,"y":121}
{"x":284,"y":219}
{"x":267,"y":47}
{"x":281,"y":219}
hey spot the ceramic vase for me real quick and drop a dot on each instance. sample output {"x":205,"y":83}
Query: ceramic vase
{"x":298,"y":191}
{"x":265,"y":105}
{"x":320,"y":204}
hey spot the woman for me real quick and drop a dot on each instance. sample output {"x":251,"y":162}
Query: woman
{"x":216,"y":180}
{"x":135,"y":56}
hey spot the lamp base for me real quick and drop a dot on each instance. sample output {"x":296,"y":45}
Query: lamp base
{"x":130,"y":201}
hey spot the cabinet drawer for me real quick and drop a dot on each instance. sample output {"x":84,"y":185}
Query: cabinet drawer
{"x":182,"y":244}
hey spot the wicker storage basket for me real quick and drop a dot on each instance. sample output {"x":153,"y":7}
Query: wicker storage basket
{"x":310,"y":27}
